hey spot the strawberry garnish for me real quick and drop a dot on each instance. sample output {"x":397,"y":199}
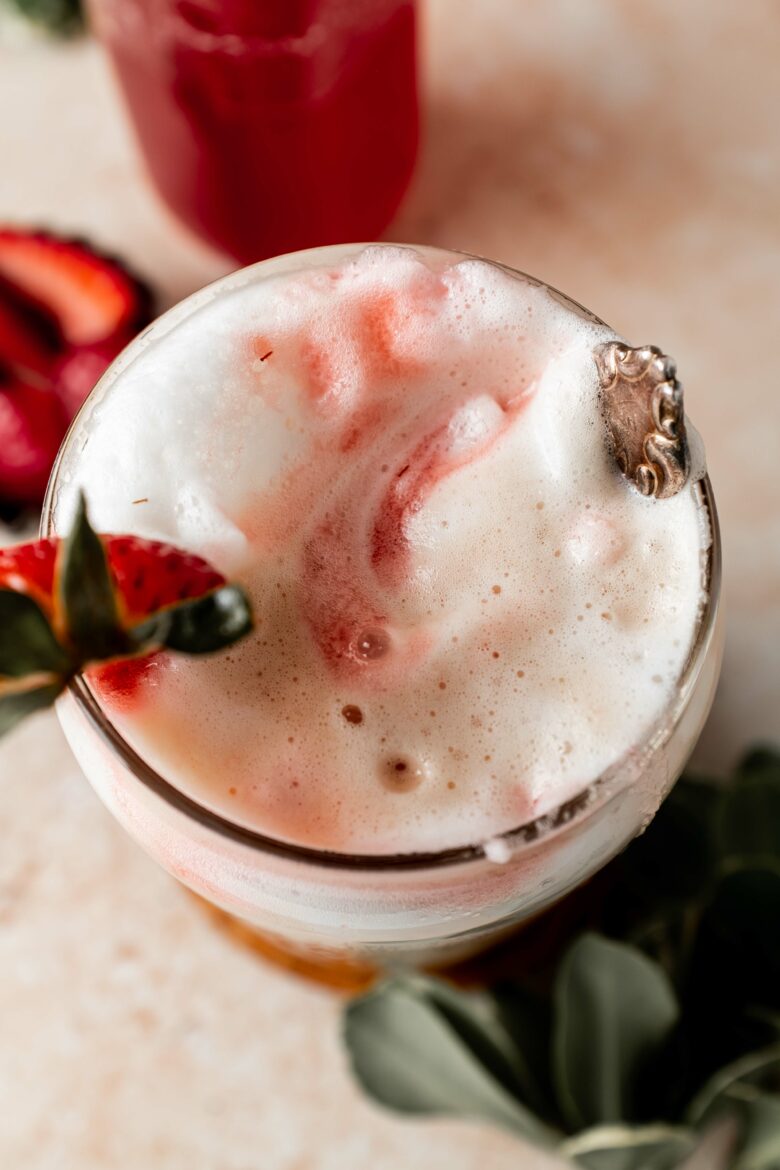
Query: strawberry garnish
{"x":66,"y":605}
{"x":146,"y":575}
{"x":66,"y":311}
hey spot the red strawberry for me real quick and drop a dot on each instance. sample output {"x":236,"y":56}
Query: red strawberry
{"x":78,"y":370}
{"x":32,"y":425}
{"x":66,"y":605}
{"x":147,"y":575}
{"x":122,"y":682}
{"x":92,"y":296}
{"x":65,"y":313}
{"x":30,"y":338}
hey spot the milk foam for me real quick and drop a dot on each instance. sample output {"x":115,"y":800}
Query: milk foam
{"x":465,"y":614}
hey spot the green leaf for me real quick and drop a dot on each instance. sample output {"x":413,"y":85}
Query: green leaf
{"x":619,"y":1147}
{"x":59,"y":17}
{"x":209,"y":623}
{"x":527,"y":1021}
{"x":419,"y":1047}
{"x":614,"y":1009}
{"x":739,"y":938}
{"x":760,"y":1069}
{"x":750,"y":820}
{"x":759,"y":1114}
{"x":675,"y":858}
{"x":86,"y":593}
{"x":749,"y":1090}
{"x":27,"y":643}
{"x":761,"y":759}
{"x":17,"y":705}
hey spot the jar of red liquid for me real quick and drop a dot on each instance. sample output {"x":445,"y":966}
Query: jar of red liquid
{"x":270,"y":125}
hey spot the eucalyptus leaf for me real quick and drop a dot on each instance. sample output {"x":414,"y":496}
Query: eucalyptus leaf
{"x":27,"y":643}
{"x":739,"y":940}
{"x":759,"y":1114}
{"x":58,"y":17}
{"x":758,"y":1118}
{"x":614,"y":1010}
{"x":86,"y":593}
{"x":527,"y":1020}
{"x":675,"y":858}
{"x":621,"y":1147}
{"x":209,"y":623}
{"x":750,"y":820}
{"x":17,"y":705}
{"x":417,"y":1047}
{"x":760,"y":760}
{"x":760,"y":1069}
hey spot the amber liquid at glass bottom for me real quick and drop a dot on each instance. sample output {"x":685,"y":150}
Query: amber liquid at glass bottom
{"x":339,"y":917}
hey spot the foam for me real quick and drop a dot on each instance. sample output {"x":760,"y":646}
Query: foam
{"x":402,"y":457}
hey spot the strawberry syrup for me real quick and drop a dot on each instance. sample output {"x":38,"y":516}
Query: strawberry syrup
{"x":275,"y":125}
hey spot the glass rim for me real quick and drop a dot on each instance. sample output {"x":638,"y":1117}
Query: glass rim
{"x":574,"y":810}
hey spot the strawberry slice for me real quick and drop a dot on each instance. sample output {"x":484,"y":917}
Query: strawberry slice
{"x":30,"y":337}
{"x":66,"y":605}
{"x":79,"y":369}
{"x":32,"y":425}
{"x":147,"y":575}
{"x":66,"y":311}
{"x":91,"y":295}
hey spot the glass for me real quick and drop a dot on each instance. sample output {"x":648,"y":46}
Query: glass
{"x":270,"y":125}
{"x":408,"y":908}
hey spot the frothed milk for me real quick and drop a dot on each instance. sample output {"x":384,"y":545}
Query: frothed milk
{"x":465,"y":614}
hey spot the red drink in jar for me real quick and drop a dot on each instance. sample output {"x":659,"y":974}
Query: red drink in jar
{"x":271,"y":125}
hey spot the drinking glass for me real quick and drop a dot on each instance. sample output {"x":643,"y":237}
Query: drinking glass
{"x":405,"y":908}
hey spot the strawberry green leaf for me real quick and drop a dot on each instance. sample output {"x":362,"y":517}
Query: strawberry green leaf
{"x":86,"y":593}
{"x":209,"y":623}
{"x":17,"y":705}
{"x":27,"y":643}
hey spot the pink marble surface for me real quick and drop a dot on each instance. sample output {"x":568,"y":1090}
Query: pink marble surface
{"x":625,"y":151}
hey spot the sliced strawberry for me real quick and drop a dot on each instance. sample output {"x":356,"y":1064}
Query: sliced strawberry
{"x":147,"y":574}
{"x":92,"y":296}
{"x":80,"y":368}
{"x":150,"y":575}
{"x":65,"y":313}
{"x":122,"y":682}
{"x":30,"y":338}
{"x":32,"y":425}
{"x":29,"y":568}
{"x":68,"y":605}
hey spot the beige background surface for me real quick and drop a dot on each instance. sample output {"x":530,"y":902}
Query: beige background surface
{"x":625,"y":151}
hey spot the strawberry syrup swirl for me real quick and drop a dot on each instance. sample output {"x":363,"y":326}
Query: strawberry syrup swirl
{"x":387,"y":452}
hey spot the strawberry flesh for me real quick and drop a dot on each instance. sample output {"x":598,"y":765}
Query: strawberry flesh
{"x":29,"y":568}
{"x":32,"y":425}
{"x":79,"y":369}
{"x":148,"y":574}
{"x":30,"y":338}
{"x":120,"y":682}
{"x":91,"y":296}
